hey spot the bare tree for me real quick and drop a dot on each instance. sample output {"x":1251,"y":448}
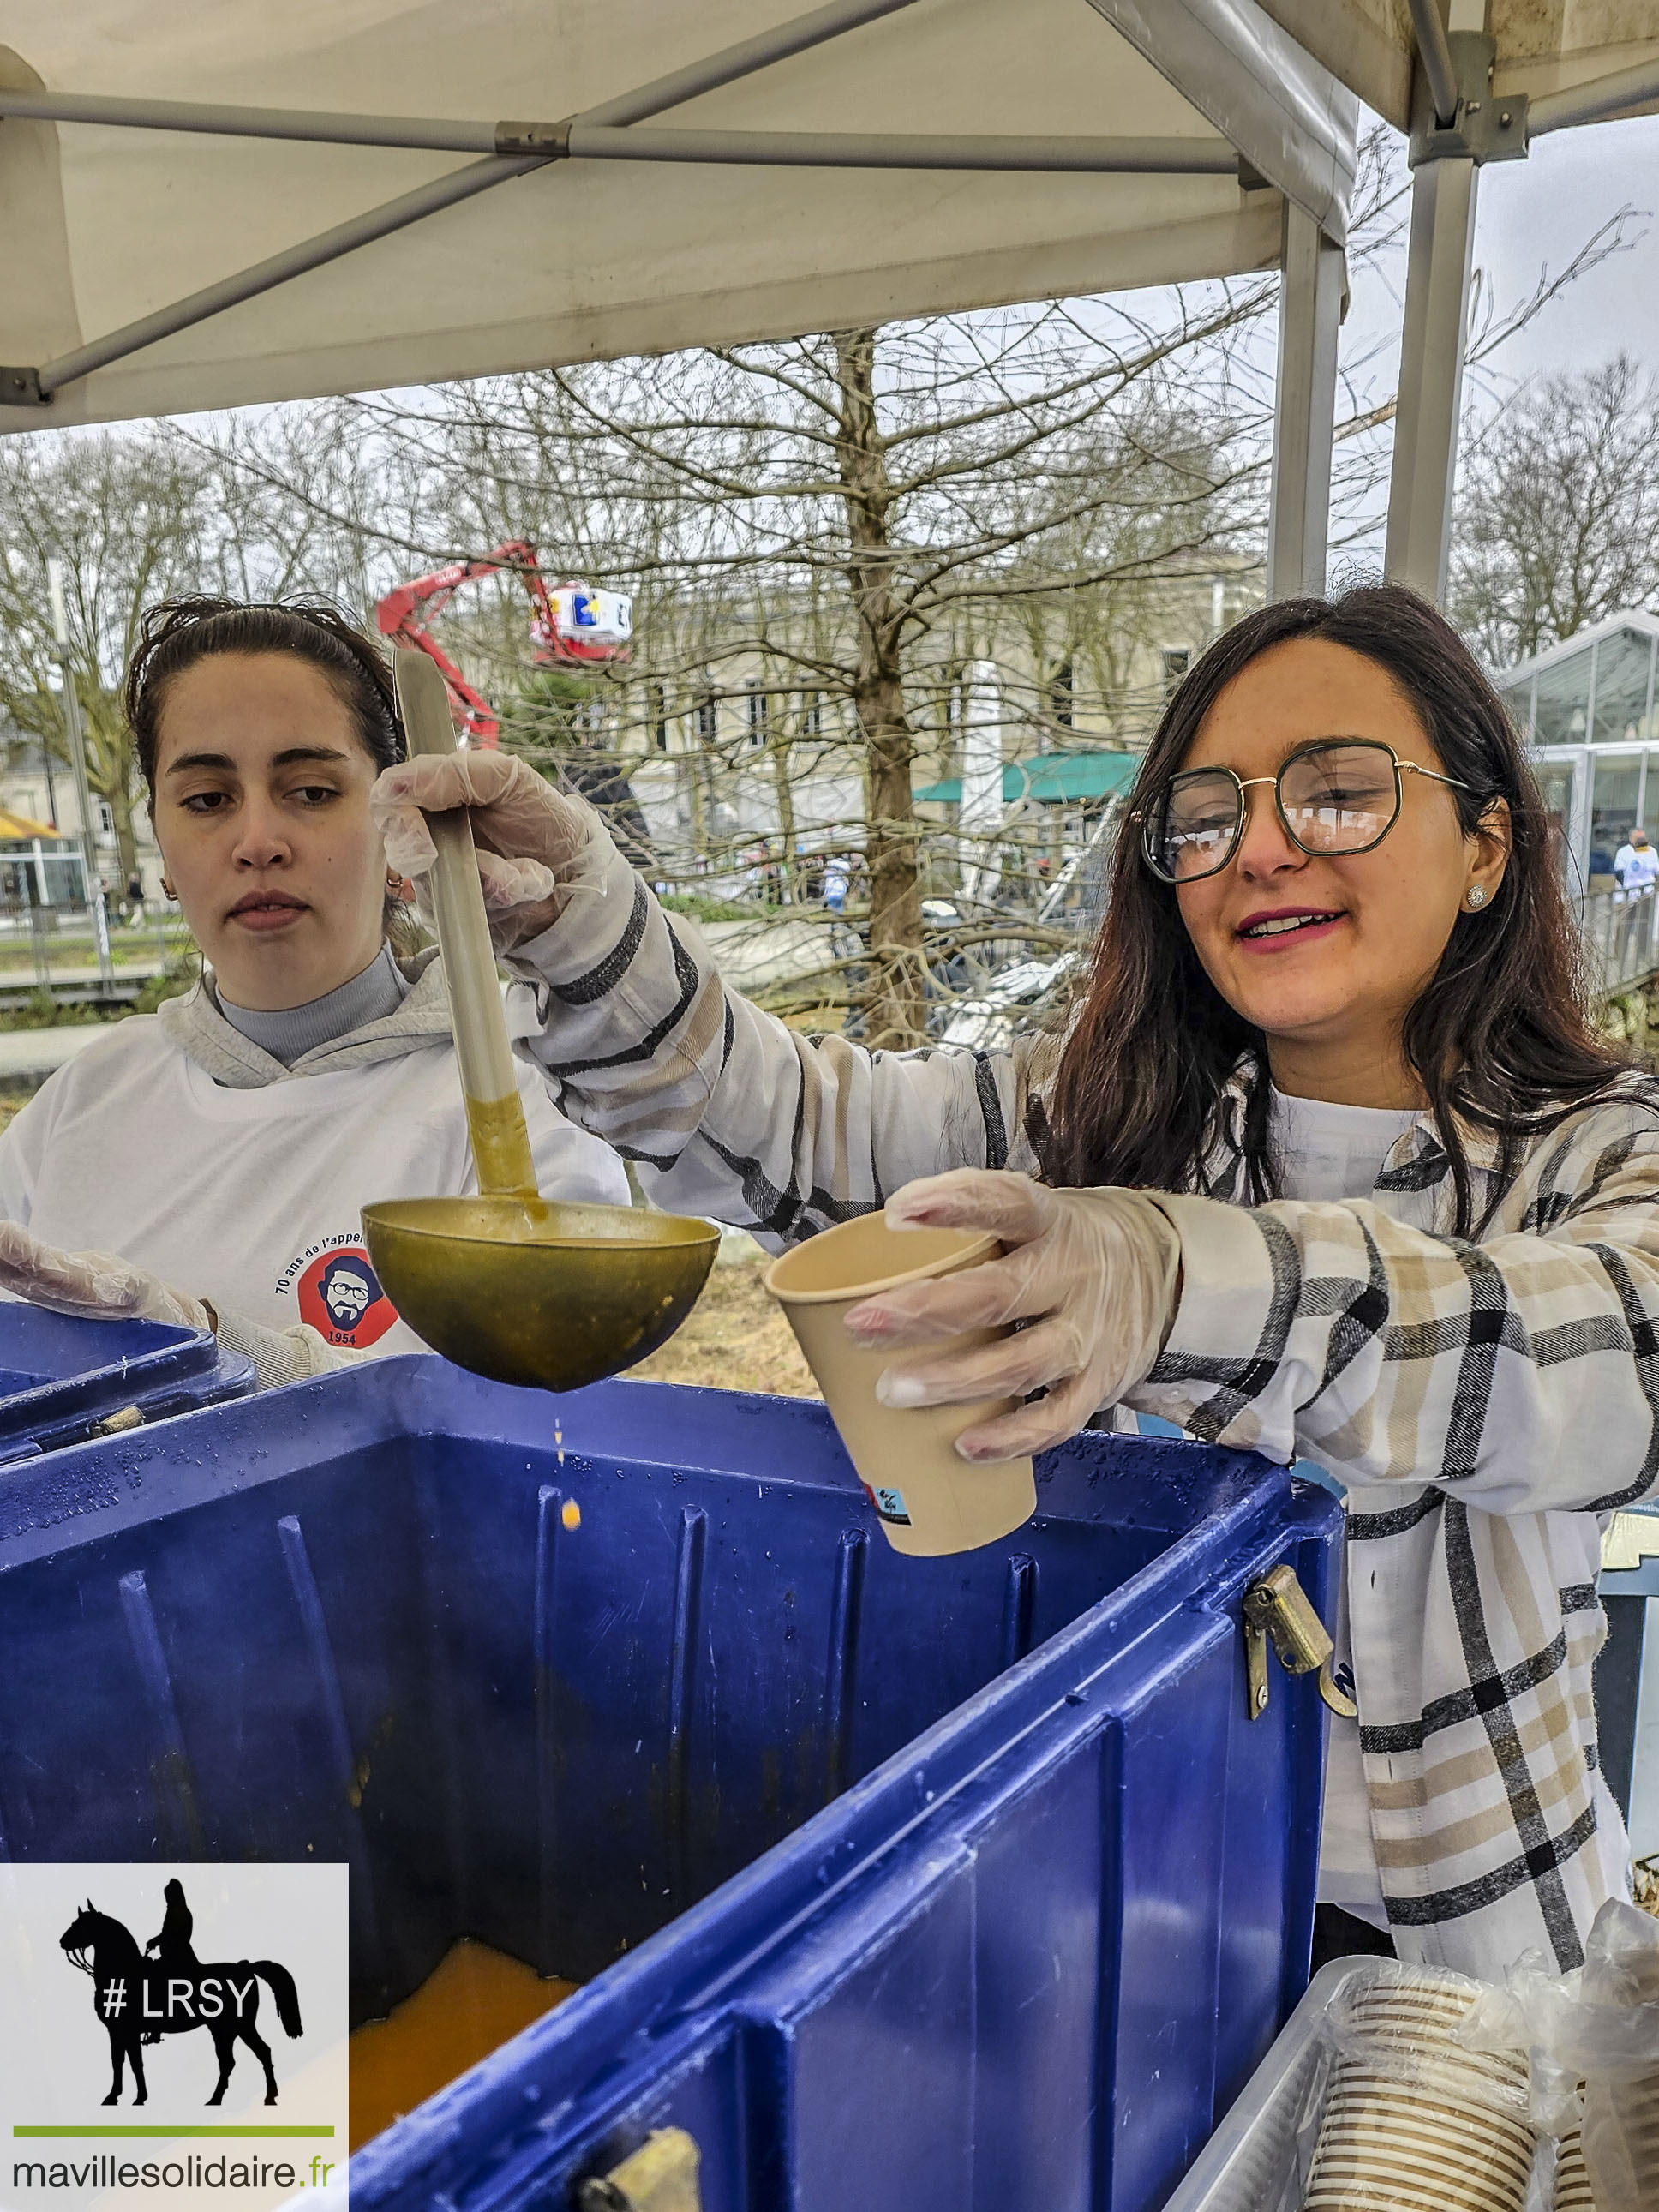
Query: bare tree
{"x":143,"y":515}
{"x":861,"y":509}
{"x":125,"y":516}
{"x":1559,"y":523}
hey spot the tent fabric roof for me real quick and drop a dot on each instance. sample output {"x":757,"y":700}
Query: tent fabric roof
{"x":1541,"y":48}
{"x":590,"y":258}
{"x":1051,"y":780}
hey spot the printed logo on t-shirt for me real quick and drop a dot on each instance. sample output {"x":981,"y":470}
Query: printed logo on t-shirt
{"x":339,"y":1294}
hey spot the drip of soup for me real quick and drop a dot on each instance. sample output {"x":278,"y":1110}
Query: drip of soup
{"x":472,"y":2002}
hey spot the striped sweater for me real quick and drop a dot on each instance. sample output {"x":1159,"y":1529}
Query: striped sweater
{"x":1484,"y":1402}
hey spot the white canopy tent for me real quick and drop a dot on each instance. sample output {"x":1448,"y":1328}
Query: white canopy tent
{"x":209,"y":206}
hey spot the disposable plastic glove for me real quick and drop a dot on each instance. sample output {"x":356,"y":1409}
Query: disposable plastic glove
{"x":92,"y":1285}
{"x":534,"y":845}
{"x":1094,"y":1274}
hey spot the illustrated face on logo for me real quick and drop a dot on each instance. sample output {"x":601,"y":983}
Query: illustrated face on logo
{"x":346,"y":1294}
{"x":340,"y":1295}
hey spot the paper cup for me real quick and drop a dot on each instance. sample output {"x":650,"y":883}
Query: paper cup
{"x":929,"y":1501}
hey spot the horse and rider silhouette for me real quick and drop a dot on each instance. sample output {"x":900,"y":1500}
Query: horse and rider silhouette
{"x":139,"y":2001}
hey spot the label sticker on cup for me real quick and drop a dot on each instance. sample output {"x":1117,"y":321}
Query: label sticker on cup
{"x":890,"y":1504}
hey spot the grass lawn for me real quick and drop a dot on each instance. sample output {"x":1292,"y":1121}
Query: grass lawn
{"x":736,"y":1338}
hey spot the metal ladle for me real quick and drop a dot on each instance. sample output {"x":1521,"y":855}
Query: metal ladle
{"x":509,"y":1285}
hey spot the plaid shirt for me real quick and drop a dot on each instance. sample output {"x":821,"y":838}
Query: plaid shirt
{"x":1484,"y":1402}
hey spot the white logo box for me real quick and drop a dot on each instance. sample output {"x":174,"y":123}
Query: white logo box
{"x":265,"y":1954}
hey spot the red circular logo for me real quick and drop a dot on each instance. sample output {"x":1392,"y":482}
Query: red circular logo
{"x":340,"y":1295}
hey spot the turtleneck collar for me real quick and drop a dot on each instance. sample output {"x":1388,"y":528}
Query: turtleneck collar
{"x":292,"y":1031}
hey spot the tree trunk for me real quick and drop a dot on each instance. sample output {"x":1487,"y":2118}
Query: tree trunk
{"x":895,"y":997}
{"x":784,"y":793}
{"x":109,"y":772}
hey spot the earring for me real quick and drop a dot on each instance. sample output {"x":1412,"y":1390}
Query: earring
{"x":168,"y":887}
{"x":1477,"y":895}
{"x":394,"y":882}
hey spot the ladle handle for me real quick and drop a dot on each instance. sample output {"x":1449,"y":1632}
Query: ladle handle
{"x":500,"y":1141}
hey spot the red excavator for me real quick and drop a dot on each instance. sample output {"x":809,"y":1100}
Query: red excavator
{"x":570,"y":626}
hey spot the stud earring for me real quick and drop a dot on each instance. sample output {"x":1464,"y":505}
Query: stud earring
{"x":1477,"y":895}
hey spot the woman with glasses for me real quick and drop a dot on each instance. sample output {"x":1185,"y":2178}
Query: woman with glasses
{"x":1328,"y":1161}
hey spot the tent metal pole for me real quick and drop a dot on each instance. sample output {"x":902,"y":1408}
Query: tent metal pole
{"x":730,"y":63}
{"x":1438,"y":270}
{"x":839,"y":150}
{"x":426,"y":133}
{"x":583,"y":140}
{"x":1435,"y":50}
{"x":444,"y":134}
{"x":1589,"y":103}
{"x":292,"y":261}
{"x":1305,"y":413}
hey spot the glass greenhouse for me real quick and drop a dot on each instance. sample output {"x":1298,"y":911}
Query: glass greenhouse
{"x":1587,"y":708}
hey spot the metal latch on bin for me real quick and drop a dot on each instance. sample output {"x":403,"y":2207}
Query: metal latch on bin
{"x":660,"y":2176}
{"x":1277,"y":1608}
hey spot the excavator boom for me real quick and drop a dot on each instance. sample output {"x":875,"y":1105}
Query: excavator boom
{"x":403,"y":614}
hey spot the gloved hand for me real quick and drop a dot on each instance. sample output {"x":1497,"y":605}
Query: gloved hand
{"x":92,"y":1285}
{"x":534,"y":845}
{"x":1095,"y":1273}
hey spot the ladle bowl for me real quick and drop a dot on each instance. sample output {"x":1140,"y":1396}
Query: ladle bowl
{"x":530,"y":1291}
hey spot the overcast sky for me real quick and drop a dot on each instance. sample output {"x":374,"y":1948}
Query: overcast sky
{"x":1535,"y":214}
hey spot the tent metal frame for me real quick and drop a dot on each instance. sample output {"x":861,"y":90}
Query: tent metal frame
{"x":607,"y":132}
{"x":1458,"y":124}
{"x":1312,"y":263}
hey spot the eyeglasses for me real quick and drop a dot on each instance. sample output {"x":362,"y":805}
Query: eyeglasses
{"x":1335,"y":795}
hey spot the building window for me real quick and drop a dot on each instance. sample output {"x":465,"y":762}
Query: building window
{"x":657,"y":694}
{"x":105,"y":818}
{"x":758,"y":704}
{"x":1177,"y":660}
{"x":1060,"y":695}
{"x":708,"y":717}
{"x":811,"y":713}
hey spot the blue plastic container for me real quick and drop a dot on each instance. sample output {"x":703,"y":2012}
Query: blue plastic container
{"x":63,"y":1380}
{"x":959,"y":1885}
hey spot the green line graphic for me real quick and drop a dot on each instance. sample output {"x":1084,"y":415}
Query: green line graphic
{"x":168,"y":2134}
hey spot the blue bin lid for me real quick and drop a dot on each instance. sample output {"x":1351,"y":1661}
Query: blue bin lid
{"x":60,"y":1375}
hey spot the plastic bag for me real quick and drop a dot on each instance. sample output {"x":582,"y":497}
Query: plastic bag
{"x":1593,"y":2041}
{"x":1404,"y":2022}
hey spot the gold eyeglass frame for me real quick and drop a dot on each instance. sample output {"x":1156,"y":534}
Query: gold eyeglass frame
{"x":1143,"y":815}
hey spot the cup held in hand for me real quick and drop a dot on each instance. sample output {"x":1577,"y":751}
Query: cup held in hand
{"x":930,"y":1500}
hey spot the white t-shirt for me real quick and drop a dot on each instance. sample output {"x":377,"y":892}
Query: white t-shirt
{"x":1637,"y":865}
{"x":1328,"y":1152}
{"x":251,"y":1198}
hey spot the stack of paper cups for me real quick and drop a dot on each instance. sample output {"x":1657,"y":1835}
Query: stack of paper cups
{"x":1413,"y":2123}
{"x":1620,"y":2145}
{"x":1572,"y":2188}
